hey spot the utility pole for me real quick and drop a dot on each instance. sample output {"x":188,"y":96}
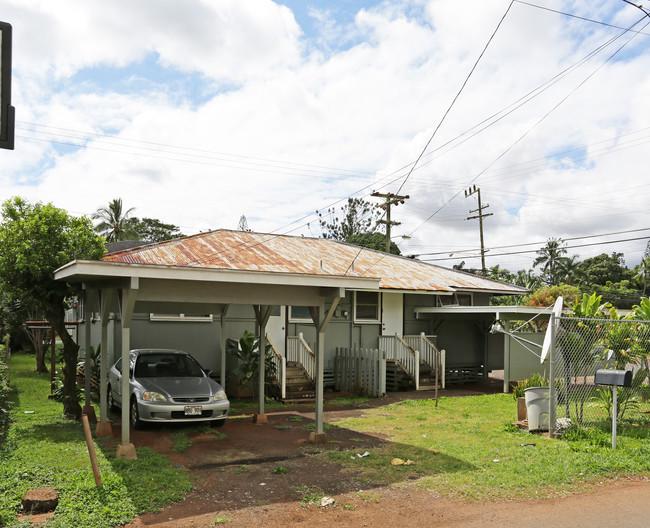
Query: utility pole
{"x":390,"y":199}
{"x":480,"y":216}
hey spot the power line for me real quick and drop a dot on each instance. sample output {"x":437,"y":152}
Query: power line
{"x":576,"y":16}
{"x":534,"y":126}
{"x":455,"y":98}
{"x":535,"y":250}
{"x":538,"y":243}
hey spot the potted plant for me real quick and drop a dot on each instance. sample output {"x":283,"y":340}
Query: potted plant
{"x":536,"y":381}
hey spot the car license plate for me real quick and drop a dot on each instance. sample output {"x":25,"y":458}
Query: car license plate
{"x":193,"y":410}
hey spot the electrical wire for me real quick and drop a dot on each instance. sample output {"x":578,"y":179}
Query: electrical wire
{"x":536,"y":250}
{"x":533,"y":127}
{"x":453,"y":102}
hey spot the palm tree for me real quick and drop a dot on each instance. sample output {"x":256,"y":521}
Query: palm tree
{"x":549,"y":258}
{"x":568,"y":266}
{"x":526,"y":279}
{"x":115,"y":223}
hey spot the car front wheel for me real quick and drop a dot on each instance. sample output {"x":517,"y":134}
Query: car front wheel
{"x":218,"y":423}
{"x":136,"y":423}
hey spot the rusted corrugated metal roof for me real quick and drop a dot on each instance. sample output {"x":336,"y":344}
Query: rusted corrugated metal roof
{"x":247,"y":251}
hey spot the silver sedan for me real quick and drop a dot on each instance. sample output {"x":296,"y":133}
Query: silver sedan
{"x":167,"y":386}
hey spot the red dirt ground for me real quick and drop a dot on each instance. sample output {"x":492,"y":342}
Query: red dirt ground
{"x":235,"y":485}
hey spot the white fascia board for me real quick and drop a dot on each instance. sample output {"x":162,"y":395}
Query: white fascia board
{"x":88,"y":270}
{"x":500,"y":310}
{"x":518,"y":291}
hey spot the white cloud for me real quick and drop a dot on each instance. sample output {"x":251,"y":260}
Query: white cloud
{"x":287,"y":122}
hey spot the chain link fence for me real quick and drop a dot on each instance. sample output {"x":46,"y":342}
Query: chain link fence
{"x":583,"y":346}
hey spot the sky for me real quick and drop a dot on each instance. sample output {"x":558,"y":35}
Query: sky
{"x":201,"y":111}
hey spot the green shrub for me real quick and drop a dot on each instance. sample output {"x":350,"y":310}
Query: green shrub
{"x":4,"y":396}
{"x":536,"y":380}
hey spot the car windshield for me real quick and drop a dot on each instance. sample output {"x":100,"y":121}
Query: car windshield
{"x":167,"y":365}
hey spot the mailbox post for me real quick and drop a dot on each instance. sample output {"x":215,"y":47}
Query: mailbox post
{"x":614,"y":379}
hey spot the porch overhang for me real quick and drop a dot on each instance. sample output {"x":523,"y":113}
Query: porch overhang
{"x":164,"y":285}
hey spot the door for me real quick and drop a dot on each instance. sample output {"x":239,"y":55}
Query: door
{"x":392,"y":314}
{"x":276,"y":328}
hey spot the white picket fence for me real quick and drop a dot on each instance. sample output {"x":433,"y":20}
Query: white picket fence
{"x":280,"y":363}
{"x":298,"y":351}
{"x":360,"y":370}
{"x":430,"y":355}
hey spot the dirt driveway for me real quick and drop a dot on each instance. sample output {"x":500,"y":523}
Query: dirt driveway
{"x":262,"y":475}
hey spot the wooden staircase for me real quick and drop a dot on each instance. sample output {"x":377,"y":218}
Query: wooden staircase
{"x":397,"y":379}
{"x":427,"y":378}
{"x":300,"y":389}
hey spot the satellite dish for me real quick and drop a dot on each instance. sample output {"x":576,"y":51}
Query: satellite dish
{"x":557,"y":312}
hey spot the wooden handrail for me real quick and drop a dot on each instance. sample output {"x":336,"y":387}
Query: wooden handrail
{"x":399,"y":337}
{"x":304,"y":343}
{"x":275,"y":350}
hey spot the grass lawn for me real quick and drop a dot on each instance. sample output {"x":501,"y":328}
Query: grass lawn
{"x":468,"y":449}
{"x":46,"y":449}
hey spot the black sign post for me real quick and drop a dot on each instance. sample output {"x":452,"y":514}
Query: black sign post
{"x":7,"y":112}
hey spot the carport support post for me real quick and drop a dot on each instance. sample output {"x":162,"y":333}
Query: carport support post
{"x":103,"y":425}
{"x":262,"y":314}
{"x":506,"y":356}
{"x":321,"y":320}
{"x":222,"y":344}
{"x":126,"y":449}
{"x":90,"y":297}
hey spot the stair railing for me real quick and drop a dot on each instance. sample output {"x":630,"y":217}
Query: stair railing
{"x":402,"y":353}
{"x":430,"y":355}
{"x":298,"y":351}
{"x":280,"y":363}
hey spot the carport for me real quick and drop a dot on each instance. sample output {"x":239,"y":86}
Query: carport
{"x":125,"y":288}
{"x":498,"y":350}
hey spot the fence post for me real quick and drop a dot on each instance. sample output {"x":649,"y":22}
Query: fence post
{"x":443,"y":359}
{"x":552,"y":411}
{"x":382,"y":373}
{"x":284,"y":377}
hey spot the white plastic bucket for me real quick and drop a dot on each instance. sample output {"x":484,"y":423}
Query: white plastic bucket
{"x":537,"y":407}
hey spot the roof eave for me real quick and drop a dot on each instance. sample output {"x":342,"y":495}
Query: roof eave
{"x":86,"y":270}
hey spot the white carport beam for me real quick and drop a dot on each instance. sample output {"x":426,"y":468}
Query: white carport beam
{"x":105,"y":303}
{"x":262,"y":313}
{"x":321,"y":320}
{"x":127,"y":302}
{"x":90,"y":299}
{"x":222,"y":344}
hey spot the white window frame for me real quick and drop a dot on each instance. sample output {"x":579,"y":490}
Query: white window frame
{"x":454,"y":299}
{"x":358,"y":320}
{"x":180,"y":318}
{"x":293,"y":319}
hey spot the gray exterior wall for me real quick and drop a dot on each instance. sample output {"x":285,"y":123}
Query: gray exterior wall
{"x":464,"y":340}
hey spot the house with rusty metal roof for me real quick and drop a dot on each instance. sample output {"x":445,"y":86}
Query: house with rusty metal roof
{"x":392,"y":295}
{"x":335,"y":314}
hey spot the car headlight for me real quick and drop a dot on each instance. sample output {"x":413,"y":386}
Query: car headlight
{"x":219,"y":395}
{"x":153,"y":397}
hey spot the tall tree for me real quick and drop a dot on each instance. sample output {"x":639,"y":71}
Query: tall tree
{"x":153,"y":230}
{"x":243,"y":224}
{"x":115,"y":224}
{"x":642,"y":271}
{"x":373,"y":241}
{"x":568,"y":268}
{"x":357,"y":216}
{"x":549,"y":259}
{"x":35,"y":240}
{"x":602,"y":268}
